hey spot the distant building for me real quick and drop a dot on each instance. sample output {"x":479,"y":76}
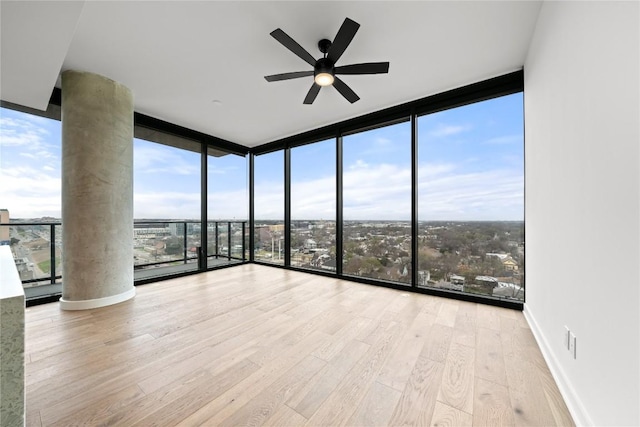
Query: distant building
{"x":501,"y":257}
{"x":310,"y":245}
{"x":509,"y":290}
{"x":507,"y":261}
{"x":423,"y":277}
{"x":457,"y":279}
{"x":509,"y":264}
{"x":151,"y":232}
{"x":4,"y":231}
{"x":320,"y":260}
{"x":25,"y":269}
{"x":487,"y":279}
{"x":455,"y":283}
{"x":487,"y":282}
{"x":176,"y":229}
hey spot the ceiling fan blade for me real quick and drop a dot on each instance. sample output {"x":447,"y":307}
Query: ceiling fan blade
{"x":293,"y":46}
{"x":345,"y":90}
{"x":345,"y":34}
{"x":366,"y":68}
{"x":311,"y":95}
{"x":288,"y":76}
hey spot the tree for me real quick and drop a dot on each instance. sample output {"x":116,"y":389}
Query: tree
{"x":369,"y":266}
{"x":352,"y":265}
{"x":426,"y":259}
{"x":297,"y":240}
{"x":173,"y":249}
{"x":174,"y":246}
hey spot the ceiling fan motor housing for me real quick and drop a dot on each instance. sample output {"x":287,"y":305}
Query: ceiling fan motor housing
{"x":323,"y":65}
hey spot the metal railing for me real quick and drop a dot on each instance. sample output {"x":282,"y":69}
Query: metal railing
{"x":156,"y":244}
{"x":28,"y":267}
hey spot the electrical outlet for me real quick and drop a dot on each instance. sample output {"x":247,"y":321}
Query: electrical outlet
{"x":567,"y":336}
{"x":572,"y":344}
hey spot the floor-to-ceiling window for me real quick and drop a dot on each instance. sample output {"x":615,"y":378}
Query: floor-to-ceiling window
{"x":469,"y":236}
{"x":377,"y":203}
{"x":30,"y":197}
{"x":471,"y":198}
{"x":269,"y":245}
{"x":168,"y":197}
{"x":428,"y":195}
{"x":166,"y":204}
{"x":313,"y":206}
{"x":227,"y":206}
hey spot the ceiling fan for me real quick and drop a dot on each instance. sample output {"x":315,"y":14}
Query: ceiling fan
{"x":324,"y":69}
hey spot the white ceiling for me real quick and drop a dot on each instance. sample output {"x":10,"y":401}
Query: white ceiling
{"x":179,"y":56}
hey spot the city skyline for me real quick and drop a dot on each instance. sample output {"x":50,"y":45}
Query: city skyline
{"x":470,"y":168}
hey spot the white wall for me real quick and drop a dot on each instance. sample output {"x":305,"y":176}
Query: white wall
{"x":582,"y":203}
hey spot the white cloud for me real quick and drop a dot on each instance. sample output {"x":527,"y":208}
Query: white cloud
{"x":314,"y":199}
{"x":382,"y":141}
{"x":150,"y":158}
{"x":379,"y":146}
{"x":485,"y":195}
{"x":164,"y":204}
{"x":217,"y":170}
{"x":446,"y":192}
{"x":232,"y":204}
{"x":377,"y":192}
{"x":448,"y":130}
{"x":432,"y":170}
{"x":22,"y":133}
{"x":30,"y":168}
{"x":506,"y":140}
{"x":30,"y":193}
{"x":269,"y":200}
{"x":10,"y":138}
{"x":359,"y":164}
{"x":372,"y":191}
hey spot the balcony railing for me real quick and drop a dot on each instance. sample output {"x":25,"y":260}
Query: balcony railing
{"x":161,"y":248}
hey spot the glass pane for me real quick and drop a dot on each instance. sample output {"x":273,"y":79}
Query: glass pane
{"x":237,"y":240}
{"x":377,"y":204}
{"x":269,"y":207}
{"x":227,"y":207}
{"x":223,"y":242}
{"x":227,"y":188}
{"x":166,"y":182}
{"x":30,"y":160}
{"x":31,"y":245}
{"x":471,"y":198}
{"x":166,"y":204}
{"x":313,"y":206}
{"x":30,"y":193}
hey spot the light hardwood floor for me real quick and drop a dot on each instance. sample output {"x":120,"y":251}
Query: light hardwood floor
{"x":254,"y":345}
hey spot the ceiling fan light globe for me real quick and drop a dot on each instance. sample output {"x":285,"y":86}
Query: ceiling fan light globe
{"x":324,"y":79}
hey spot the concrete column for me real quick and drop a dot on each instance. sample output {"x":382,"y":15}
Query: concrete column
{"x":97,"y":191}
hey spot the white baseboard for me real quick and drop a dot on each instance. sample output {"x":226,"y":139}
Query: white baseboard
{"x":98,"y":302}
{"x":576,"y":408}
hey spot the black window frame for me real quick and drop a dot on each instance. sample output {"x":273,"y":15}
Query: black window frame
{"x":506,"y":84}
{"x":496,"y":87}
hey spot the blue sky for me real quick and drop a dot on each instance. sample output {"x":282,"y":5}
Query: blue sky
{"x":29,"y":165}
{"x":166,"y":180}
{"x":470,"y":168}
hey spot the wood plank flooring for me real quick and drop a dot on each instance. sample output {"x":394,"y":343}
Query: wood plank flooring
{"x":254,"y":345}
